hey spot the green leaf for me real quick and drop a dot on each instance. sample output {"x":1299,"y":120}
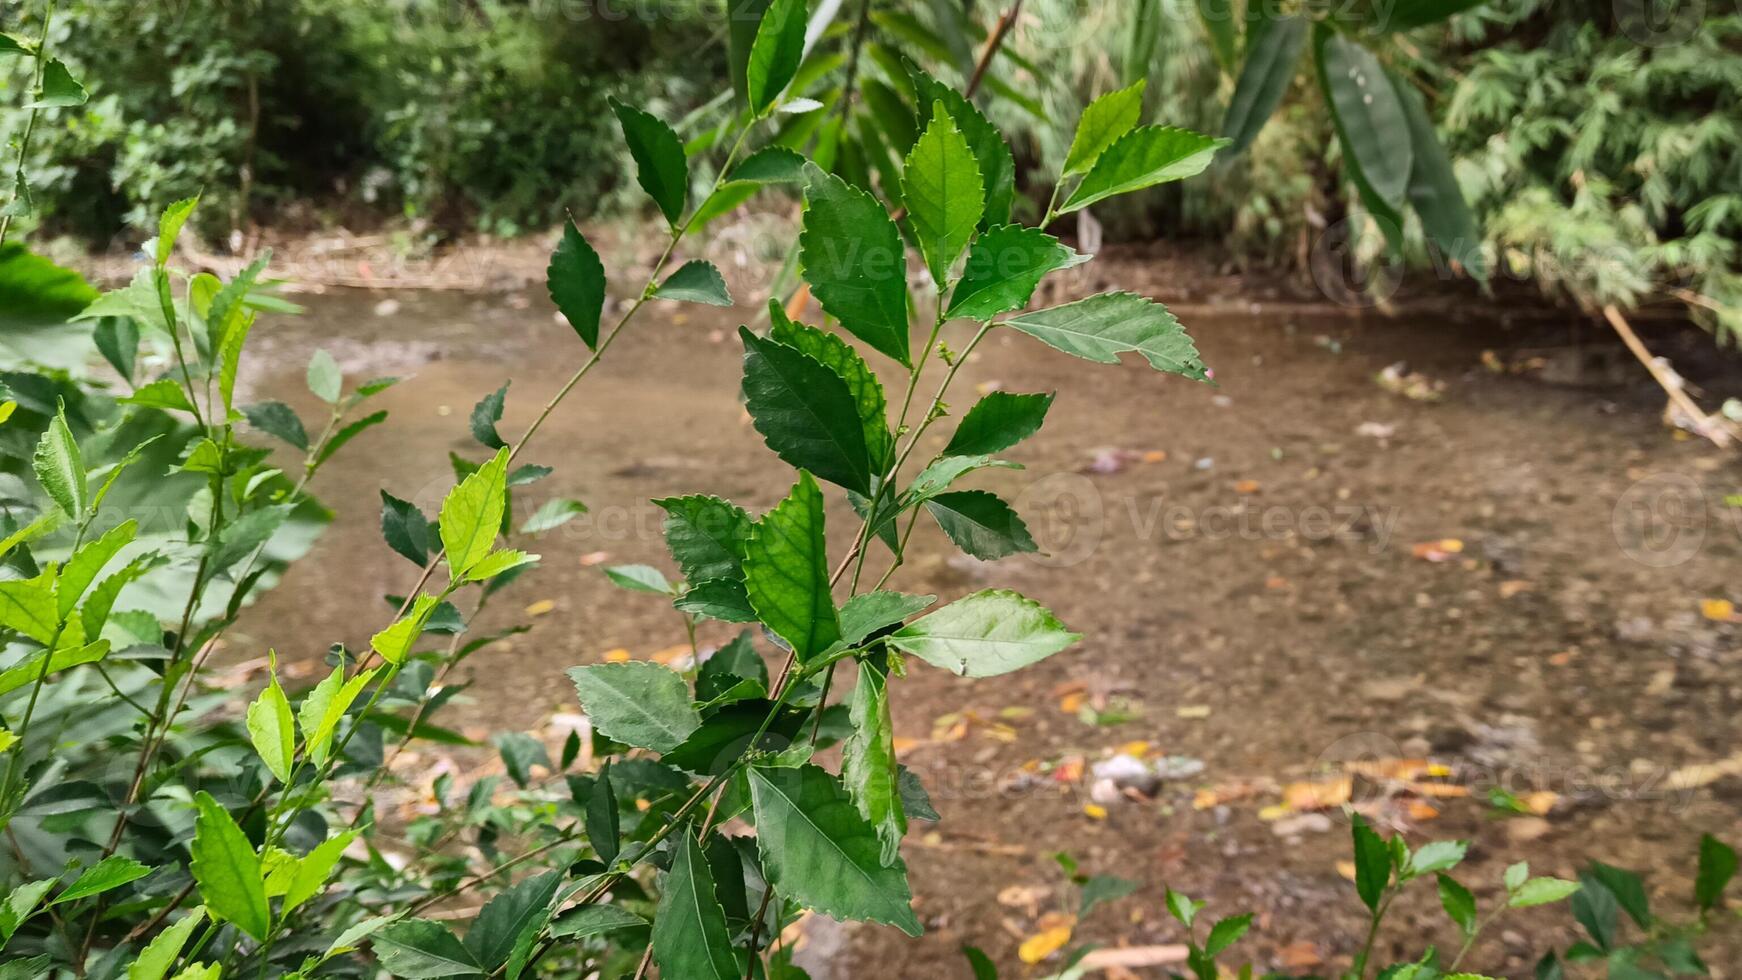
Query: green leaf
{"x":21,"y":903}
{"x":229,"y":307}
{"x":486,"y":414}
{"x":660,"y":165}
{"x":86,"y":563}
{"x":690,"y":938}
{"x":1369,"y":120}
{"x":28,"y":606}
{"x":325,"y":707}
{"x":743,"y":22}
{"x":991,"y":153}
{"x":227,"y":870}
{"x":988,"y":633}
{"x":314,"y":868}
{"x":1717,"y":867}
{"x":1004,"y":267}
{"x":806,"y":412}
{"x":587,"y":921}
{"x":497,"y":563}
{"x":1273,"y":48}
{"x":418,"y":948}
{"x":276,"y":419}
{"x":471,"y":515}
{"x":1103,"y":122}
{"x":1227,"y":932}
{"x":1435,"y":856}
{"x":1541,"y":891}
{"x":272,"y":730}
{"x":60,"y":467}
{"x":817,"y":849}
{"x":159,"y":955}
{"x":1407,"y":15}
{"x":981,"y":524}
{"x":731,"y":665}
{"x":346,"y":434}
{"x":639,"y":578}
{"x":1101,"y":889}
{"x":1459,"y":904}
{"x":405,"y":529}
{"x":13,"y":44}
{"x":163,"y":393}
{"x":706,"y":536}
{"x":723,"y":599}
{"x":109,"y":873}
{"x":1372,"y":864}
{"x":868,"y":767}
{"x":324,"y":378}
{"x":852,"y":257}
{"x":637,"y":703}
{"x":840,"y":357}
{"x":1102,"y":327}
{"x":1628,"y":889}
{"x":60,"y":90}
{"x":576,"y":282}
{"x":1219,"y":23}
{"x":117,"y":339}
{"x":239,"y":538}
{"x":786,"y":572}
{"x":865,"y":614}
{"x":696,"y":281}
{"x":944,"y":193}
{"x":603,"y":829}
{"x":776,"y":54}
{"x":1434,"y":190}
{"x":998,"y":421}
{"x":47,"y":665}
{"x":511,"y":918}
{"x":771,"y":165}
{"x":1143,"y":158}
{"x":980,"y":963}
{"x":553,"y":513}
{"x":395,"y":642}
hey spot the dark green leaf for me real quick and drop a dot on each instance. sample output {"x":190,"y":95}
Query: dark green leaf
{"x":227,"y":870}
{"x":771,"y":165}
{"x":776,"y":53}
{"x":1102,"y":327}
{"x":868,"y":767}
{"x":1003,"y":269}
{"x":854,"y":261}
{"x":690,"y":939}
{"x":241,"y":537}
{"x":786,"y":572}
{"x":405,"y":528}
{"x":1273,"y":47}
{"x":1369,"y":121}
{"x":696,"y":281}
{"x":1227,"y":932}
{"x":660,"y":164}
{"x":945,"y":195}
{"x":806,"y":412}
{"x":511,"y":918}
{"x":726,"y":736}
{"x":1409,"y":14}
{"x":914,"y":799}
{"x":603,"y":830}
{"x":980,"y":963}
{"x":723,"y":599}
{"x":1219,"y":20}
{"x":706,"y":536}
{"x":419,"y":948}
{"x":277,"y":419}
{"x":981,"y":524}
{"x":1628,"y":889}
{"x":1717,"y":867}
{"x":865,"y":614}
{"x":1594,"y":907}
{"x":991,"y":632}
{"x":576,"y":281}
{"x":586,"y":921}
{"x":1143,"y":158}
{"x":637,"y":703}
{"x":520,"y":752}
{"x":736,"y":661}
{"x":486,"y":414}
{"x":818,"y":850}
{"x":743,"y":19}
{"x":1372,"y":864}
{"x":350,"y":431}
{"x":164,"y":393}
{"x":1459,"y":904}
{"x":998,"y":421}
{"x":1102,"y":124}
{"x":1100,"y":889}
{"x":1434,"y":190}
{"x":60,"y":90}
{"x":840,"y":357}
{"x":117,"y":339}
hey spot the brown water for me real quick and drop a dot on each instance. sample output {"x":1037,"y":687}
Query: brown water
{"x":1254,"y":600}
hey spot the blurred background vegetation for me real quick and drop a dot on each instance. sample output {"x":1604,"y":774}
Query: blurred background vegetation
{"x":1596,"y":142}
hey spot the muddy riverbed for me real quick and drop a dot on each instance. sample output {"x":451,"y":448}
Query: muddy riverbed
{"x":1296,"y":569}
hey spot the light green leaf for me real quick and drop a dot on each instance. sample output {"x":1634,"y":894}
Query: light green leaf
{"x":1439,"y":855}
{"x":806,"y":412}
{"x":324,"y":378}
{"x":1273,"y":48}
{"x":991,"y":152}
{"x":60,"y":467}
{"x":817,"y":849}
{"x":1541,"y":891}
{"x":1004,"y":267}
{"x":576,"y":282}
{"x":395,"y":642}
{"x":498,"y":562}
{"x":64,"y":658}
{"x":1143,"y":158}
{"x":981,"y":524}
{"x":786,"y":572}
{"x":771,"y":165}
{"x":660,"y":165}
{"x":985,"y":634}
{"x":696,"y":281}
{"x":21,"y":903}
{"x":60,"y":90}
{"x":86,"y":563}
{"x":944,"y":193}
{"x":855,"y":263}
{"x":1434,"y":190}
{"x":1226,"y":932}
{"x":165,"y":948}
{"x":865,"y":614}
{"x":111,"y":872}
{"x":706,"y":536}
{"x":325,"y":707}
{"x":839,"y":356}
{"x":553,"y":513}
{"x":227,"y":870}
{"x":471,"y":515}
{"x":776,"y":53}
{"x":639,"y":578}
{"x":1104,"y":326}
{"x":1104,"y":121}
{"x":314,"y":868}
{"x":228,"y":308}
{"x":163,"y":393}
{"x":27,"y":606}
{"x":45,"y":523}
{"x":1369,"y":120}
{"x":690,"y":938}
{"x":638,"y":703}
{"x":419,"y":948}
{"x":201,"y":971}
{"x":1459,"y":904}
{"x":998,"y":421}
{"x":868,"y":765}
{"x":272,"y":730}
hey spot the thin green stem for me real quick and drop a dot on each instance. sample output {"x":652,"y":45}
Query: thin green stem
{"x":18,"y":177}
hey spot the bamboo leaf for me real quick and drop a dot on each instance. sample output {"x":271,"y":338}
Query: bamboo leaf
{"x":1369,"y":120}
{"x":1273,"y":48}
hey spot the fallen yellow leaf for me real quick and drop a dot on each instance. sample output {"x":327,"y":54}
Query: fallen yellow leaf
{"x":1246,"y":487}
{"x":1193,"y":711}
{"x":1135,"y":749}
{"x":1043,"y":944}
{"x":616,"y":656}
{"x":1721,"y":610}
{"x":540,"y":607}
{"x":1304,"y":797}
{"x":1346,"y":869}
{"x":1071,"y":703}
{"x":1095,"y":811}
